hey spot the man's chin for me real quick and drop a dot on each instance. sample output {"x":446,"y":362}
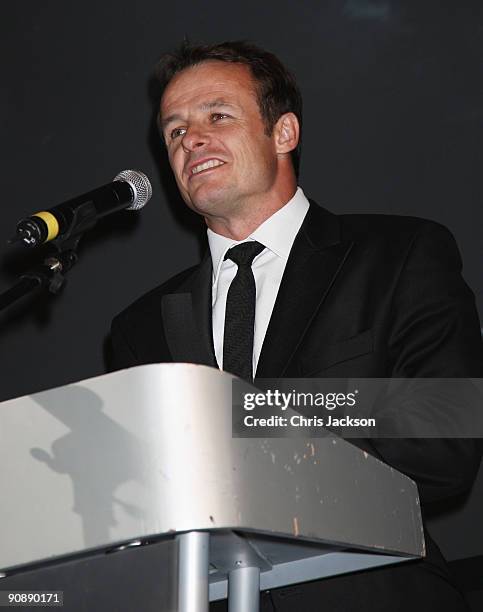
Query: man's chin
{"x":209,"y":201}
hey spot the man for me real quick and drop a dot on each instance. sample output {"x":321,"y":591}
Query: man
{"x":309,"y":294}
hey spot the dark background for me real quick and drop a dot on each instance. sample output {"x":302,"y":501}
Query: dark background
{"x":393,"y":123}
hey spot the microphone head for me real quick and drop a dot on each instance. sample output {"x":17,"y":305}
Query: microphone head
{"x":140,"y":186}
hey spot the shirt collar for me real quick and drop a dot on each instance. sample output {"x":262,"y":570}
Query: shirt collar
{"x":277,"y":233}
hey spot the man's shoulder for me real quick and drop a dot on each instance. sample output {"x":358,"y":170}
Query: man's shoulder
{"x":374,"y":225}
{"x":388,"y":236}
{"x":380,"y":224}
{"x":151,"y":300}
{"x":386,"y":229}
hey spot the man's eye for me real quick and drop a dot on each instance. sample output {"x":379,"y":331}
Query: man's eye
{"x":177,"y":132}
{"x":218,"y":116}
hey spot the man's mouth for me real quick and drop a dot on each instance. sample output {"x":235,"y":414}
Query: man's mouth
{"x":207,"y":165}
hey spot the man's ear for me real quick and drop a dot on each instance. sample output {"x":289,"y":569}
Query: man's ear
{"x":286,"y":132}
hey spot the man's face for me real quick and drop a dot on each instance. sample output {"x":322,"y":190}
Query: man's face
{"x":221,"y":157}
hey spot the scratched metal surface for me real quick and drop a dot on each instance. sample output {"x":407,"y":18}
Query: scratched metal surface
{"x":149,"y":451}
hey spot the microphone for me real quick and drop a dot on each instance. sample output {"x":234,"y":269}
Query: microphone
{"x":130,"y":190}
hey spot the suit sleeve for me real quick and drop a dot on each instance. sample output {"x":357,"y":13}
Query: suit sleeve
{"x":435,"y":333}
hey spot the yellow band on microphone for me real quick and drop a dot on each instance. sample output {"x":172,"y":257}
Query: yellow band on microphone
{"x":51,"y":223}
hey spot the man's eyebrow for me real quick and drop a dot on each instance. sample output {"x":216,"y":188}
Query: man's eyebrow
{"x":162,"y":123}
{"x":204,"y":106}
{"x":215,"y":104}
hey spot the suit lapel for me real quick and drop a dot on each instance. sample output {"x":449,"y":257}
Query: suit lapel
{"x":317,"y":256}
{"x":187,"y":318}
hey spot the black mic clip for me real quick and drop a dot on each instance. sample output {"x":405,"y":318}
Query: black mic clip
{"x":84,"y":217}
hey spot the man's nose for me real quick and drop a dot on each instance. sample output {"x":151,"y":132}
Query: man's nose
{"x":194,"y":138}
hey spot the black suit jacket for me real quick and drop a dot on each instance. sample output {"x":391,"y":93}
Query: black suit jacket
{"x":361,"y":296}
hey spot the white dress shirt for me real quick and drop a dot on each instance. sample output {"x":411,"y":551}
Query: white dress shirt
{"x":277,"y":234}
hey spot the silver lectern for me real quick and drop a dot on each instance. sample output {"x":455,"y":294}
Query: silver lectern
{"x":146,"y":455}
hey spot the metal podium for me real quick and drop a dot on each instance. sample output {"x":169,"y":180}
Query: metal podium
{"x":146,"y":455}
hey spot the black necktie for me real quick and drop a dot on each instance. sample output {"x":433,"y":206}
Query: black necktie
{"x":240,"y":312}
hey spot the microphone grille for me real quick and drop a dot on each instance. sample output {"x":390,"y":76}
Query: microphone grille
{"x":140,"y":185}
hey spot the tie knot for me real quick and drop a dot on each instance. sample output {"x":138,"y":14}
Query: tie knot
{"x":243,"y":254}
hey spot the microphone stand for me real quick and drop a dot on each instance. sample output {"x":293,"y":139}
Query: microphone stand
{"x":50,"y":275}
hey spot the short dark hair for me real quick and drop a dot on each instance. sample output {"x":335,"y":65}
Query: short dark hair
{"x":276,"y":88}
